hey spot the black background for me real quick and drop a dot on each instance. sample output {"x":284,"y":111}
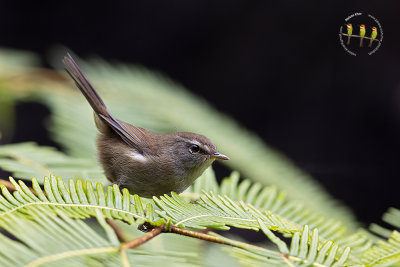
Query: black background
{"x":277,"y":67}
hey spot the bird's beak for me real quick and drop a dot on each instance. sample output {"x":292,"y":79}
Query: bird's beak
{"x":217,"y":155}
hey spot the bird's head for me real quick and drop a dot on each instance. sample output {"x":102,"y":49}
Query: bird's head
{"x":349,"y":26}
{"x":362,"y":27}
{"x":374,"y":29}
{"x":193,"y":152}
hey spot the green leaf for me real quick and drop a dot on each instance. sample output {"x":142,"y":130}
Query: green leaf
{"x":303,"y":252}
{"x":76,"y":207}
{"x":79,"y":200}
{"x":27,"y":160}
{"x":53,"y":239}
{"x":385,"y":252}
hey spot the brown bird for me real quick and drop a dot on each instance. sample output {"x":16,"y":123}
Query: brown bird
{"x":146,"y":163}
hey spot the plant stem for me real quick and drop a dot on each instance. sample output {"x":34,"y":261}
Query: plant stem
{"x":7,"y":184}
{"x":210,"y":238}
{"x":198,"y":235}
{"x":358,"y":36}
{"x":118,"y":231}
{"x":143,"y":239}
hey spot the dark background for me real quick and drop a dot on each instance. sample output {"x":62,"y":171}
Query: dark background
{"x":277,"y":67}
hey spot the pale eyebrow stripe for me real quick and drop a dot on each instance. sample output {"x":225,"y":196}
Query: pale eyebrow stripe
{"x":196,"y":142}
{"x":192,"y":141}
{"x":204,"y":147}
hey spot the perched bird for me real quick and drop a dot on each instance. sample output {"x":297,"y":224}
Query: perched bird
{"x":349,"y":32}
{"x":374,"y":33}
{"x":362,"y":34}
{"x":146,"y":163}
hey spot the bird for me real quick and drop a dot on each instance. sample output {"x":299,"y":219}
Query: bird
{"x":349,"y":32}
{"x":146,"y":163}
{"x":362,"y":34}
{"x":374,"y":33}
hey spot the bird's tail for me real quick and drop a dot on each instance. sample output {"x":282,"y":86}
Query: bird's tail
{"x":370,"y":42}
{"x":86,"y":88}
{"x":361,"y":42}
{"x":348,"y":40}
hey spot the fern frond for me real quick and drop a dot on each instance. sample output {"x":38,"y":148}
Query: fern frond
{"x":53,"y":239}
{"x":217,"y":212}
{"x":305,"y":250}
{"x":271,"y":199}
{"x":30,"y":160}
{"x":391,"y":217}
{"x":220,"y":212}
{"x":276,"y":201}
{"x":77,"y":200}
{"x":80,"y":200}
{"x":385,"y":252}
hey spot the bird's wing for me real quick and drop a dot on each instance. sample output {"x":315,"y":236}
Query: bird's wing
{"x":132,"y":135}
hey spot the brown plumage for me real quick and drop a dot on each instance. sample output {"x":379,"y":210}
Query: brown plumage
{"x":147,"y":163}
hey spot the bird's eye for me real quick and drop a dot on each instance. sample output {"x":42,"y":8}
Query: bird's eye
{"x":194,"y":149}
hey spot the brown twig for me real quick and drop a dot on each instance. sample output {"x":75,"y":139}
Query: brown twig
{"x":211,"y":238}
{"x":369,"y":38}
{"x":8,"y":185}
{"x":143,"y":239}
{"x":118,"y":231}
{"x":197,"y":235}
